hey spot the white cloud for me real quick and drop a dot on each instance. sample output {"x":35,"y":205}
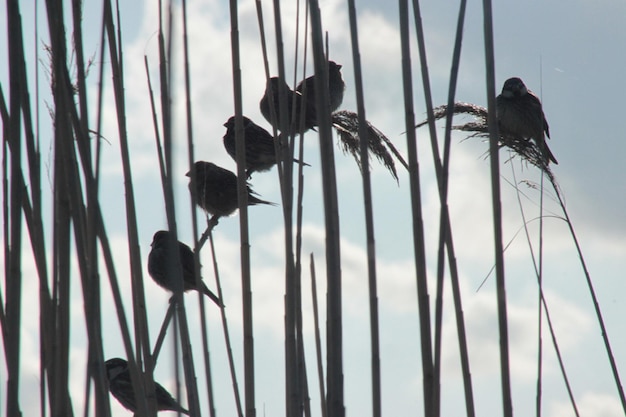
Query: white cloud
{"x":570,"y":321}
{"x":396,"y":287}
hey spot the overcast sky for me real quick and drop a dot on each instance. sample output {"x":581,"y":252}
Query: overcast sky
{"x":568,"y":52}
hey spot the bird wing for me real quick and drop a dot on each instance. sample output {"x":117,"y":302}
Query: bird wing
{"x":546,"y":128}
{"x":259,"y":142}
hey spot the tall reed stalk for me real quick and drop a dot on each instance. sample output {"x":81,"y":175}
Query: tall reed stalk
{"x":334,"y":320}
{"x":13,"y":221}
{"x":419,"y":245}
{"x":445,"y":228}
{"x":507,"y":402}
{"x":142,"y":342}
{"x":596,"y":304}
{"x":369,"y":214}
{"x":543,"y":306}
{"x":194,"y":217}
{"x":242,"y":195}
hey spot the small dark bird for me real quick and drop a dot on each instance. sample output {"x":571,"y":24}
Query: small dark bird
{"x":520,"y":113}
{"x":260,"y":153}
{"x":336,"y":87}
{"x":301,"y":106}
{"x":122,"y":389}
{"x":158,"y":263}
{"x":216,"y":190}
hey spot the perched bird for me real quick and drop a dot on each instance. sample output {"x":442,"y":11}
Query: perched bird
{"x":122,"y":389}
{"x":216,"y":190}
{"x":520,"y":113}
{"x":336,"y":87}
{"x":158,"y":260}
{"x":302,"y":109}
{"x":260,"y":153}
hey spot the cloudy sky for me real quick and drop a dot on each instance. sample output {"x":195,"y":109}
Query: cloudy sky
{"x":567,"y":52}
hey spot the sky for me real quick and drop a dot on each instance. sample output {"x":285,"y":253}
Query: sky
{"x":564,"y":51}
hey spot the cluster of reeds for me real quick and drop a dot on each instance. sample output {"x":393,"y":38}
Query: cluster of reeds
{"x":79,"y":231}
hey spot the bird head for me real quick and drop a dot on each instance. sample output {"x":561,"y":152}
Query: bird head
{"x":230,"y":123}
{"x":198,"y":168}
{"x":514,"y":87}
{"x":160,"y":235}
{"x":274,"y":83}
{"x":333,"y":65}
{"x":114,"y":367}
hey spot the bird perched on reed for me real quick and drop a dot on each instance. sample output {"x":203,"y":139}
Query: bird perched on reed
{"x":293,"y":98}
{"x":336,"y":87}
{"x":520,"y":113}
{"x":159,"y":263}
{"x":122,"y":389}
{"x":216,"y":190}
{"x":260,"y":153}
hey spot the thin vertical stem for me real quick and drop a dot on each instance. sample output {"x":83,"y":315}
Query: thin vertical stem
{"x":497,"y":209}
{"x":596,"y":304}
{"x":418,"y":223}
{"x":63,"y":154}
{"x":139,"y":310}
{"x":369,"y":213}
{"x":539,"y":311}
{"x":242,"y":195}
{"x":5,"y":204}
{"x":229,"y":350}
{"x":445,"y":229}
{"x":286,"y":182}
{"x":36,"y":195}
{"x":91,"y":286}
{"x":174,"y":267}
{"x":13,"y":273}
{"x":334,"y":366}
{"x":194,"y":217}
{"x":542,"y":303}
{"x":318,"y":342}
{"x":300,"y":397}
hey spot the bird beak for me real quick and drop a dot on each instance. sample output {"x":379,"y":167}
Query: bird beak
{"x":188,"y":174}
{"x":339,"y":66}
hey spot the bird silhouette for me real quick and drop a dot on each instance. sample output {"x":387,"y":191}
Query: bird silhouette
{"x":297,"y":107}
{"x":336,"y":88}
{"x":216,"y":190}
{"x":122,"y":389}
{"x":259,"y":143}
{"x":159,"y":265}
{"x":520,"y":113}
